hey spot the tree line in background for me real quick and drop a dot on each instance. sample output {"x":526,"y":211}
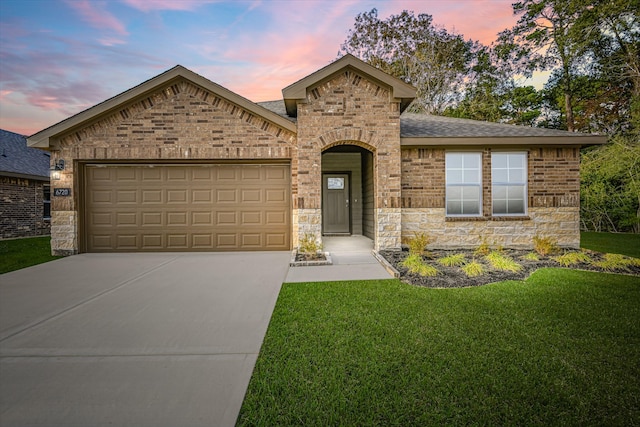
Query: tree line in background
{"x":591,"y":49}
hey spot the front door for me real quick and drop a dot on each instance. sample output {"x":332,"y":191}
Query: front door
{"x":335,"y":203}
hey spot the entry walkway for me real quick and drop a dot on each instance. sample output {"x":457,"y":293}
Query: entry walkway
{"x":352,"y":260}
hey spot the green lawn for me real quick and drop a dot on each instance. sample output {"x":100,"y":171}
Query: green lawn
{"x":617,"y":243}
{"x":21,"y":253}
{"x":562,"y":348}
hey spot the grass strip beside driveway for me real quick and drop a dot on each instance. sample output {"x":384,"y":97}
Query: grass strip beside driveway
{"x":20,"y":253}
{"x":562,"y":348}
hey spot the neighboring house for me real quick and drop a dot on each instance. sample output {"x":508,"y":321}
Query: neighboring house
{"x":24,"y":188}
{"x":179,"y":163}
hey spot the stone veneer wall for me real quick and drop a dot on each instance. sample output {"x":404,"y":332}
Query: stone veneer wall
{"x":561,"y":223}
{"x":553,"y":200}
{"x":178,"y":122}
{"x":349,"y":109}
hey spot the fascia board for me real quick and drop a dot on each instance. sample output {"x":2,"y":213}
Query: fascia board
{"x":582,"y":140}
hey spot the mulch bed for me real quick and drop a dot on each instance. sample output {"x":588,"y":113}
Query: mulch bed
{"x":454,"y":277}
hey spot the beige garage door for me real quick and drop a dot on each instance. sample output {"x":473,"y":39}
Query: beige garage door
{"x":221,"y":207}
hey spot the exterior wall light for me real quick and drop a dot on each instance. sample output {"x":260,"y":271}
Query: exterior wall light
{"x":55,"y":170}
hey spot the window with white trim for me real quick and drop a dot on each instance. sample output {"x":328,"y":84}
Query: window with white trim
{"x":509,"y":183}
{"x":464,"y":184}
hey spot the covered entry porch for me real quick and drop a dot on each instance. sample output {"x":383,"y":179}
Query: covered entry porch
{"x":348,"y":192}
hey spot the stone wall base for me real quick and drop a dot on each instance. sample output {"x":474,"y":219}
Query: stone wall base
{"x":562,"y":224}
{"x":306,"y":221}
{"x":388,"y":228}
{"x":64,"y":233}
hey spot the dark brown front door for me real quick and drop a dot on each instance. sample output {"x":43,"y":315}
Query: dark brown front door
{"x":335,"y":203}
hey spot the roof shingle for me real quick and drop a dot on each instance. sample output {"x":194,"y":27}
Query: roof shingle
{"x":16,"y":159}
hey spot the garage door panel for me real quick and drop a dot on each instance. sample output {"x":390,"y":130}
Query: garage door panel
{"x":186,"y":207}
{"x":226,"y":195}
{"x":127,"y":196}
{"x":177,"y":196}
{"x":126,"y":174}
{"x":102,"y":196}
{"x":151,"y":174}
{"x":151,"y":219}
{"x":124,"y":219}
{"x":201,"y":196}
{"x":152,"y":241}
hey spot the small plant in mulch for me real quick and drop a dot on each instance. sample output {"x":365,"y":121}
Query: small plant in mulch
{"x":572,"y":258}
{"x":416,"y":265}
{"x":418,"y":243}
{"x":483,"y":249}
{"x":502,"y":262}
{"x":545,"y":246}
{"x":452,"y":260}
{"x":613,"y":262}
{"x":473,"y":269}
{"x":531,"y":256}
{"x":309,"y":249}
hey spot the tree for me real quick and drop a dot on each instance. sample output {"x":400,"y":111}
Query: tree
{"x":610,"y":185}
{"x":612,"y":28}
{"x":412,"y":49}
{"x":545,"y":36}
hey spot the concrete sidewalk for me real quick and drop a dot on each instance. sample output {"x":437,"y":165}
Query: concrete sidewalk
{"x":352,"y":260}
{"x":134,"y":339}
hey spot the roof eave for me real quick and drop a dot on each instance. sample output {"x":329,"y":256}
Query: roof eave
{"x":25,"y":176}
{"x":44,"y":138}
{"x":582,"y":141}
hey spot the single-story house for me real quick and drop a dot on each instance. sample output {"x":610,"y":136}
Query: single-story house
{"x":25,"y":199}
{"x":179,"y":163}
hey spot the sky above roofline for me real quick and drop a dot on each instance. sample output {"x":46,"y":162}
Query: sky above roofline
{"x":58,"y":58}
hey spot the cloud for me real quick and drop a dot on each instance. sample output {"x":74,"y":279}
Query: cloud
{"x":95,"y":13}
{"x":184,"y":5}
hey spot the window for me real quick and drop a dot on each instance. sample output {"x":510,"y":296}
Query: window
{"x":46,"y":201}
{"x":509,"y":183}
{"x":464,"y":184}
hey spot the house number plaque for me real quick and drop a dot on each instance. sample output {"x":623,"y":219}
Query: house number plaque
{"x":62,"y":192}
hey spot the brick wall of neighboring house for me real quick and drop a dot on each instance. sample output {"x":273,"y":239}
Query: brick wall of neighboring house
{"x":553,"y":200}
{"x":22,"y":208}
{"x":177,"y":122}
{"x":349,"y":109}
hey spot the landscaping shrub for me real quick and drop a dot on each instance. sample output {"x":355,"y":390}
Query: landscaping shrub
{"x":416,"y":265}
{"x":572,"y":258}
{"x":473,"y":269}
{"x":452,"y":260}
{"x":544,"y":245}
{"x":418,"y":243}
{"x":502,"y":262}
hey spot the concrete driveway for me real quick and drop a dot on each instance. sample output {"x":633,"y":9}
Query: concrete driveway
{"x":134,"y":339}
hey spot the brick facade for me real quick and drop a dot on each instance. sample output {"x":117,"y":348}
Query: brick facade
{"x":352,"y":110}
{"x":553,"y":200}
{"x":21,"y":208}
{"x":179,"y":122}
{"x":339,"y":109}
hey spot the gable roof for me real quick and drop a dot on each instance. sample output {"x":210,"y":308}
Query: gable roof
{"x":44,"y":138}
{"x":18,"y":160}
{"x":298,"y":91}
{"x":426,"y":129}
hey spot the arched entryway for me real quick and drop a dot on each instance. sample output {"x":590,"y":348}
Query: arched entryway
{"x":348,"y":191}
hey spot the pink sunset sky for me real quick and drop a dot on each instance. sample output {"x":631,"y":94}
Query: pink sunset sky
{"x":58,"y":58}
